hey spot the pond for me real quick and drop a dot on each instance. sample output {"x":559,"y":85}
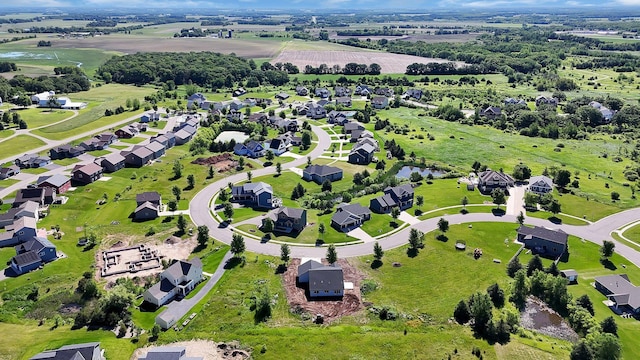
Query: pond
{"x":539,"y":317}
{"x":226,"y":136}
{"x":405,"y":172}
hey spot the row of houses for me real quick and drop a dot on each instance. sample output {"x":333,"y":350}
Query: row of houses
{"x":93,"y":351}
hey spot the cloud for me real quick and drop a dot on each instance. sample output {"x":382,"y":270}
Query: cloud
{"x":629,"y":2}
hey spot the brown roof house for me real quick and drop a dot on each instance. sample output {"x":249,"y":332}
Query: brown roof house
{"x":86,"y":174}
{"x":545,"y":242}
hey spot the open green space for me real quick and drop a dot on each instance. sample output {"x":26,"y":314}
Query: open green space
{"x":67,"y":161}
{"x":557,"y":218}
{"x":37,"y":117}
{"x":5,"y":133}
{"x":19,"y":144}
{"x":633,"y":233}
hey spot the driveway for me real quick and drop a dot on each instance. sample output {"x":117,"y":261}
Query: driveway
{"x":178,"y":309}
{"x":515,"y":202}
{"x":360,"y":234}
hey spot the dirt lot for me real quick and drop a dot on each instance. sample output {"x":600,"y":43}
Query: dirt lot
{"x":134,"y":44}
{"x":390,"y":63}
{"x":350,"y":303}
{"x":208,"y":350}
{"x":169,"y":248}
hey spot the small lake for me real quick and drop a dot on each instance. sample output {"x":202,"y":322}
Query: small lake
{"x":24,"y":55}
{"x":405,"y":172}
{"x":226,"y":136}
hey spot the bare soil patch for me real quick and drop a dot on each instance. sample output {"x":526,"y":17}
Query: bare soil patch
{"x":389,"y":63}
{"x":208,"y":350}
{"x":222,"y":162}
{"x":134,"y":44}
{"x":539,"y":317}
{"x":331,"y":309}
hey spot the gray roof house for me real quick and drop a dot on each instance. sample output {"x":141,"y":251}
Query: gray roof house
{"x":86,"y":174}
{"x":321,"y":173}
{"x":619,"y":289}
{"x":148,"y":205}
{"x":361,"y":153}
{"x":87,"y":351}
{"x":258,"y":194}
{"x":491,"y":112}
{"x":32,"y":254}
{"x":176,"y":281}
{"x":546,"y":242}
{"x":59,"y":182}
{"x":350,"y":127}
{"x":288,"y":220}
{"x":112,"y":162}
{"x":156,"y":148}
{"x":138,"y":157}
{"x":28,"y":208}
{"x":379,"y":102}
{"x":168,"y":353}
{"x":540,"y":185}
{"x":397,"y":196}
{"x":316,"y":111}
{"x":21,"y":230}
{"x":322,"y":281}
{"x":9,"y":171}
{"x":185,"y":134}
{"x":349,"y":216}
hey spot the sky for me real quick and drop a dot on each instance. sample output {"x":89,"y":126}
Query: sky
{"x":326,"y":4}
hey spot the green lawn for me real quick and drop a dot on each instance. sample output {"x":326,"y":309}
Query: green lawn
{"x":20,"y":144}
{"x":633,"y":233}
{"x":554,"y":218}
{"x":37,"y":117}
{"x":458,"y":210}
{"x":67,"y":161}
{"x":5,"y":133}
{"x":133,"y":140}
{"x":98,"y":153}
{"x":381,"y":224}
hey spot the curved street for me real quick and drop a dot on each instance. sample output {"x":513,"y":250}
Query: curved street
{"x":200,"y":212}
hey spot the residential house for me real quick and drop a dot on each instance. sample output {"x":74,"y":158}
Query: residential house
{"x":65,"y":151}
{"x":379,"y":102}
{"x":156,"y":148}
{"x":168,"y":353}
{"x":94,"y":144}
{"x":138,"y":157}
{"x":287,"y":220}
{"x":540,"y":185}
{"x":32,"y":254}
{"x":341,"y":91}
{"x":171,"y":139}
{"x":316,"y":111}
{"x":413,"y":93}
{"x":185,"y":135}
{"x":32,"y":161}
{"x":621,"y":291}
{"x":176,"y":281}
{"x":323,"y":102}
{"x":397,"y":196}
{"x":249,"y":102}
{"x":151,"y":116}
{"x":489,"y":180}
{"x":86,"y":174}
{"x":239,"y":92}
{"x":235,"y":116}
{"x":322,"y":93}
{"x":112,"y":162}
{"x":512,"y":101}
{"x":337,"y":117}
{"x":351,"y":127}
{"x":361,"y":153}
{"x":383,"y":91}
{"x":280,"y":144}
{"x":196,"y":100}
{"x":543,"y":100}
{"x":148,"y":206}
{"x":28,"y":208}
{"x":282,"y":96}
{"x":286,"y":124}
{"x":127,"y":132}
{"x":349,"y":216}
{"x":252,"y":149}
{"x":236,"y":105}
{"x":41,"y":196}
{"x":302,"y":91}
{"x":344,"y":101}
{"x":359,"y":134}
{"x":20,"y":230}
{"x":58,"y":182}
{"x":88,"y":351}
{"x":368,"y":140}
{"x":257,"y":118}
{"x":9,"y":171}
{"x":259,"y":195}
{"x":546,"y":242}
{"x":492,"y":112}
{"x":302,"y":110}
{"x":263,"y":101}
{"x":322,"y":281}
{"x":321,"y":173}
{"x":607,"y":114}
{"x":363,"y":90}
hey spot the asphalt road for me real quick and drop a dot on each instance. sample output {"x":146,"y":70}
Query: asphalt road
{"x":201,"y":215}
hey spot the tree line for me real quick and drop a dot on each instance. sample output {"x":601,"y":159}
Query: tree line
{"x":349,"y":69}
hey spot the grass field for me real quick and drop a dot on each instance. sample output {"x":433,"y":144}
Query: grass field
{"x":37,"y":117}
{"x":19,"y":145}
{"x":633,"y":233}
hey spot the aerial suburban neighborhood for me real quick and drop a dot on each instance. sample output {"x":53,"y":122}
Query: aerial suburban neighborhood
{"x":180,"y":181}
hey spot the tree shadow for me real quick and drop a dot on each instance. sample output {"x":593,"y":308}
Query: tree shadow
{"x":608,"y":264}
{"x":232,"y":263}
{"x":412,"y":252}
{"x":464,"y":211}
{"x":199,"y":248}
{"x":187,"y":188}
{"x":497,"y":212}
{"x":167,"y":219}
{"x":442,"y":237}
{"x":554,"y":219}
{"x":417,"y":212}
{"x":376,"y":264}
{"x":393,"y":224}
{"x":281,"y":269}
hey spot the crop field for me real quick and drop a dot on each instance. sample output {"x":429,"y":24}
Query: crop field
{"x":390,"y":63}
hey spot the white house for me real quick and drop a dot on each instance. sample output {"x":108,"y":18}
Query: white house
{"x":540,"y":185}
{"x":177,"y":280}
